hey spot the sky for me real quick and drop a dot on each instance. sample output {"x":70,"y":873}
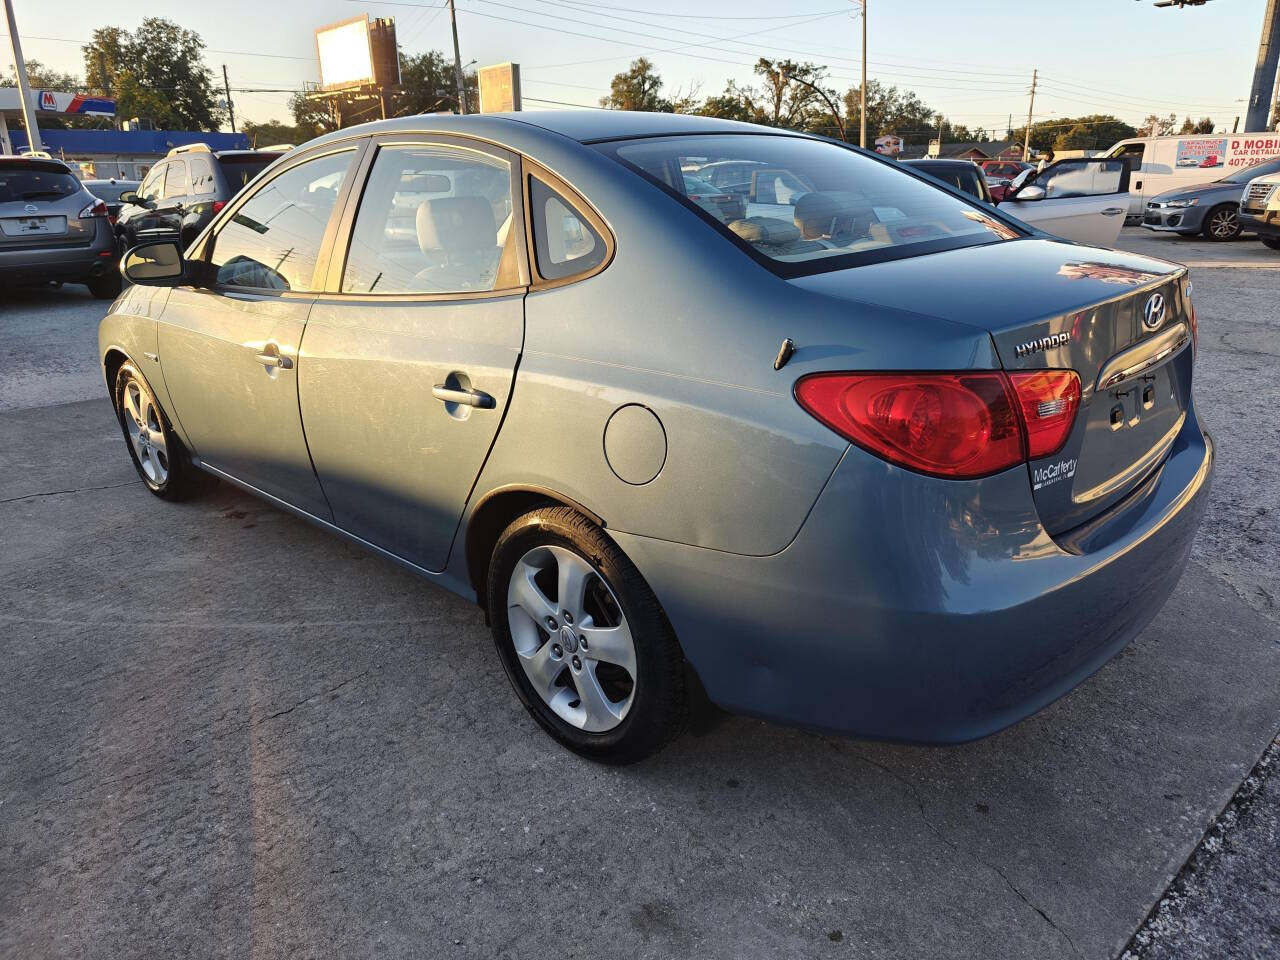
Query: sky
{"x":970,"y":59}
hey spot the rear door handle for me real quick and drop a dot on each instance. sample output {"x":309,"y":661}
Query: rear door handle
{"x":1112,"y":211}
{"x":469,"y":398}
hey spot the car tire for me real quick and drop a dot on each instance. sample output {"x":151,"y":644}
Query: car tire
{"x":1221,"y":224}
{"x":622,"y":695}
{"x":158,"y":455}
{"x":107,"y":286}
{"x":1272,"y":243}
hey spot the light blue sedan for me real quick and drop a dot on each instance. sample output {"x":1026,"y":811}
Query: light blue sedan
{"x":858,"y":452}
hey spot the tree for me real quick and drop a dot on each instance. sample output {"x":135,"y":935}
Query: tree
{"x":157,"y":71}
{"x":1155,"y":126}
{"x":890,"y":110}
{"x":1091,"y":132}
{"x":270,"y":133}
{"x":1190,"y":126}
{"x":637,"y":89}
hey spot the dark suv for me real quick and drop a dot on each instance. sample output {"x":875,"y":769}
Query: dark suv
{"x":183,"y":191}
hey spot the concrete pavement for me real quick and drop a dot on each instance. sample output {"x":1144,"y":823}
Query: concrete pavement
{"x":223,"y":732}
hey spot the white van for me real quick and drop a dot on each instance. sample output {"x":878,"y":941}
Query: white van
{"x":1159,"y":164}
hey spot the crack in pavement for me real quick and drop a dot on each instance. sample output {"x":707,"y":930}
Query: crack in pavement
{"x":924,"y":817}
{"x":60,"y":493}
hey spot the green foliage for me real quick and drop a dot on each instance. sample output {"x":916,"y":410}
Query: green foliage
{"x":637,"y":89}
{"x":156,"y":72}
{"x":1205,"y":125}
{"x":1092,"y":132}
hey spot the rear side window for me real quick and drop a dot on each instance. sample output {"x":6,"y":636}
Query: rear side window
{"x":433,"y":219}
{"x":175,"y":180}
{"x":564,"y":241}
{"x":272,"y":242}
{"x":201,"y":175}
{"x":20,"y":181}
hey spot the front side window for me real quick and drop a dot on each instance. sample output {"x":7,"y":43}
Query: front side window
{"x":272,"y":242}
{"x":1081,"y":178}
{"x":433,"y":219}
{"x":175,"y":180}
{"x":565,"y":243}
{"x":806,"y":206}
{"x":153,"y":184}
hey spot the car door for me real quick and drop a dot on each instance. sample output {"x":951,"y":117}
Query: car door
{"x":170,"y":208}
{"x":138,"y":218}
{"x":410,"y":356}
{"x":1080,"y":199}
{"x":229,"y":351}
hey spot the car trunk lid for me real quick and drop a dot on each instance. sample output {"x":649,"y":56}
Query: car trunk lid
{"x":1054,"y":305}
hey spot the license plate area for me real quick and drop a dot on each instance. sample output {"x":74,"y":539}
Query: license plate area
{"x":35,"y":226}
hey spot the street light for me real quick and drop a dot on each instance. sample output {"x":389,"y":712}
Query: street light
{"x":787,"y":78}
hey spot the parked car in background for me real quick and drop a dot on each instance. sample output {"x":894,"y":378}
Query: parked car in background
{"x":182,"y":192}
{"x":1211,"y":209}
{"x":961,"y":174}
{"x":728,"y":205}
{"x":109,"y":192}
{"x":1081,"y":199}
{"x":1162,"y":164}
{"x":1260,"y":208}
{"x":882,"y":461}
{"x":52,"y":228}
{"x":1003,"y":169}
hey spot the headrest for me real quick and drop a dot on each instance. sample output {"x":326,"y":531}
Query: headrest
{"x":815,"y":213}
{"x":765,"y":230}
{"x":455,"y":225}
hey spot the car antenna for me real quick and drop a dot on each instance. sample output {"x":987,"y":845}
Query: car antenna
{"x":784,"y":353}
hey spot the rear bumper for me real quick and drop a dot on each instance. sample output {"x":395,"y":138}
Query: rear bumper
{"x":915,"y":609}
{"x":74,"y":264}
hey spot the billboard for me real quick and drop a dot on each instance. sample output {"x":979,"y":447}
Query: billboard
{"x":499,"y":87}
{"x":358,"y":52}
{"x":1207,"y":153}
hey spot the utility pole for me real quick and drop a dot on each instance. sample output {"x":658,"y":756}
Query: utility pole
{"x":231,"y":110}
{"x":1264,"y":74}
{"x":457,"y":60}
{"x":862,"y":141}
{"x":1026,"y":139}
{"x":24,"y":88}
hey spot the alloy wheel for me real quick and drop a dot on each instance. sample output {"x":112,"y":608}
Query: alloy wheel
{"x":142,"y":420}
{"x":572,"y":638}
{"x":1224,"y":224}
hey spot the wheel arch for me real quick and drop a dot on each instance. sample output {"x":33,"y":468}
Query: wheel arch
{"x":494,"y":512}
{"x":112,"y":360}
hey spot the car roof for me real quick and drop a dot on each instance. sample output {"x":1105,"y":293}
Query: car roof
{"x":47,"y":163}
{"x":584,"y":126}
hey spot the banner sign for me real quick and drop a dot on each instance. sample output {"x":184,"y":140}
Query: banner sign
{"x":1202,"y":153}
{"x":53,"y":101}
{"x":1252,"y":148}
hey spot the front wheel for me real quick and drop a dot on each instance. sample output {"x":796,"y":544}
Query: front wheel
{"x":158,"y":455}
{"x":583,"y":639}
{"x":1272,"y":243}
{"x":1221,"y":223}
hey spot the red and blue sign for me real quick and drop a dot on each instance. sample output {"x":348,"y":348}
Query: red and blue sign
{"x":54,"y":101}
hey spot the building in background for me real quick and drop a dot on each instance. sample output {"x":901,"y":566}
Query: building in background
{"x":122,"y":154}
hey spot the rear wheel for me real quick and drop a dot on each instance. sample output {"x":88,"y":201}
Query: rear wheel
{"x":158,"y":455}
{"x":1221,"y":223}
{"x":1271,"y":242}
{"x":583,"y":639}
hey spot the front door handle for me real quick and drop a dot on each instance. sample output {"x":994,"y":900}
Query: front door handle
{"x":469,"y":398}
{"x":271,"y":358}
{"x":1112,"y":211}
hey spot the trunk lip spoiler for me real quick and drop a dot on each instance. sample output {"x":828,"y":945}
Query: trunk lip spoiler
{"x":1143,"y":356}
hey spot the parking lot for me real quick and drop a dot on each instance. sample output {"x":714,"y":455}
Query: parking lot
{"x":227,"y":733}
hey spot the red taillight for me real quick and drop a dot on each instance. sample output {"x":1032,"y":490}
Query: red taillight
{"x":946,"y":424}
{"x":95,"y":209}
{"x":958,"y":425}
{"x":218,"y":205}
{"x":1048,"y":400}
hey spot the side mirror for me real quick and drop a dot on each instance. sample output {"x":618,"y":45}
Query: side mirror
{"x":1032,"y":191}
{"x":129,"y":196}
{"x":158,"y":264}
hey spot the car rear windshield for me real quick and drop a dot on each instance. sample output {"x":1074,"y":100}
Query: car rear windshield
{"x":35,"y":181}
{"x":803,"y":206}
{"x":240,"y":170}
